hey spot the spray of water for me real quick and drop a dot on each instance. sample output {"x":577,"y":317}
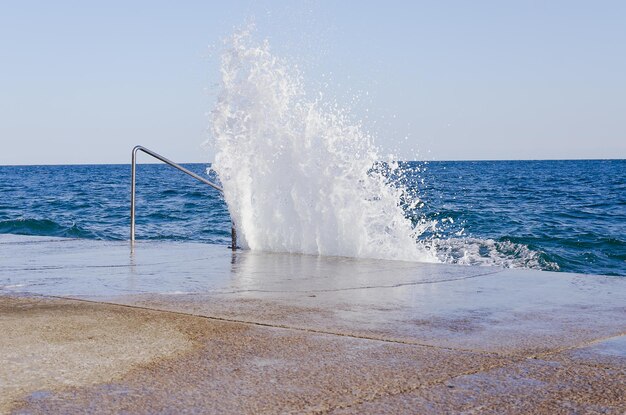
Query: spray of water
{"x":300,"y":176}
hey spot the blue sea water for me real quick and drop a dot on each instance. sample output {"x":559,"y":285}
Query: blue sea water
{"x":570,"y":214}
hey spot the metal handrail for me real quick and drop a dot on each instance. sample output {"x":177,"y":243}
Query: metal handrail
{"x":176,"y":166}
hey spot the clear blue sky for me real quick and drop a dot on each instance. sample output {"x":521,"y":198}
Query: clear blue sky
{"x":82,"y":82}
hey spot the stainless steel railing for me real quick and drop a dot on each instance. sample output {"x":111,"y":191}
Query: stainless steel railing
{"x":176,"y":166}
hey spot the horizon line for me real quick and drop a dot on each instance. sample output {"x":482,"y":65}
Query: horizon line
{"x":403,"y":161}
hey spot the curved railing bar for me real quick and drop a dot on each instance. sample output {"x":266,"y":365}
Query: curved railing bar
{"x":176,"y":166}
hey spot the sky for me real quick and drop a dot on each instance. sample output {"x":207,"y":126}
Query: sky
{"x":83,"y":82}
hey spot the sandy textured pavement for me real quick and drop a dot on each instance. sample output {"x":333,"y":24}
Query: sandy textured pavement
{"x":68,"y":356}
{"x":51,"y":344}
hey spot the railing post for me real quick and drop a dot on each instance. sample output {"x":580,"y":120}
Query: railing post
{"x":233,"y":236}
{"x":133,"y":173}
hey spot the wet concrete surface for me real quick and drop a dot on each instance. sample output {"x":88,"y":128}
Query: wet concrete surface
{"x":276,"y":333}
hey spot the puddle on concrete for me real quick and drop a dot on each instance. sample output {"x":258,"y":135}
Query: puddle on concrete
{"x":614,"y":347}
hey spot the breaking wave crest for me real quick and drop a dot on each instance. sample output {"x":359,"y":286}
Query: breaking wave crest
{"x":507,"y":254}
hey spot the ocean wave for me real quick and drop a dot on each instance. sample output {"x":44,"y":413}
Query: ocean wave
{"x":489,"y":252}
{"x":44,"y":227}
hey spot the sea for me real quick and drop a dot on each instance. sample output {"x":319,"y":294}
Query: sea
{"x":565,"y":215}
{"x":302,"y":173}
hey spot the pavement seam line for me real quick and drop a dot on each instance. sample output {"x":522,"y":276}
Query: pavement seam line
{"x":541,"y":355}
{"x":359,"y":288}
{"x":277,"y":326}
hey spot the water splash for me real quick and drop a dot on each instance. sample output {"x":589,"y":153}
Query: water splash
{"x":298,"y":174}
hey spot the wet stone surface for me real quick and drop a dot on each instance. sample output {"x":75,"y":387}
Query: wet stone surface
{"x":193,"y":328}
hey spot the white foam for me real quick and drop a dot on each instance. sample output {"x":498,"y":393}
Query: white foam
{"x":506,"y":254}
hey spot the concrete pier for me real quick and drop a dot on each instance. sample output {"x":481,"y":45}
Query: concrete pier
{"x":91,"y":326}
